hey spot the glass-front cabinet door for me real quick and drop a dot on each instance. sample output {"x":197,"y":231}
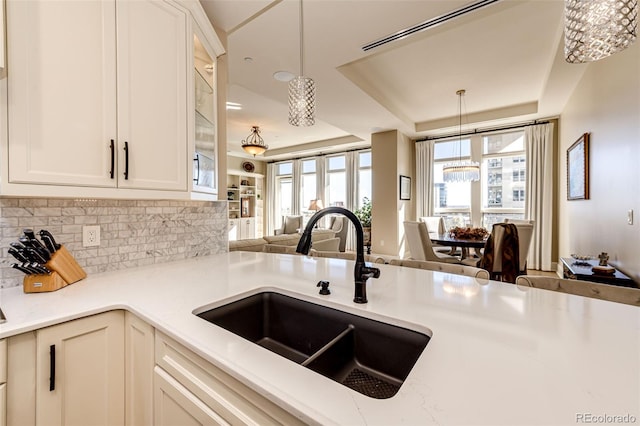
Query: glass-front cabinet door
{"x":205,"y":164}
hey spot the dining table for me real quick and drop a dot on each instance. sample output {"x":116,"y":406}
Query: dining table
{"x":464,"y":243}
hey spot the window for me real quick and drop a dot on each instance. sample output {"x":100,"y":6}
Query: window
{"x":364,"y":177}
{"x":499,"y":195}
{"x":284,"y":191}
{"x":336,"y":181}
{"x":452,"y":200}
{"x":308,"y":188}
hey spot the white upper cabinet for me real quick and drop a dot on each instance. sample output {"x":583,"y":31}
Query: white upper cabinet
{"x":2,"y":59}
{"x":97,"y":94}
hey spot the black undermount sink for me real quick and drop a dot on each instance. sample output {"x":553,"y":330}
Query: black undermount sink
{"x":368,"y":356}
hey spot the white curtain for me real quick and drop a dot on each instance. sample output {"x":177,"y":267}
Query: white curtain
{"x":424,"y":178}
{"x":270,"y":199}
{"x":538,"y":140}
{"x":296,"y":189}
{"x":351,"y":169}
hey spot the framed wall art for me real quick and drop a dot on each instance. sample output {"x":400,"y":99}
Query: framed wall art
{"x":405,"y":187}
{"x":578,"y":169}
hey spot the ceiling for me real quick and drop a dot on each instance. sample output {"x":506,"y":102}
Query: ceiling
{"x":507,"y":56}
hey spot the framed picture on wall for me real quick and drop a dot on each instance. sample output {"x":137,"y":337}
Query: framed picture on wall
{"x":578,"y":169}
{"x":405,"y":187}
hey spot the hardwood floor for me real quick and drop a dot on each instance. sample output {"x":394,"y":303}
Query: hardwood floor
{"x":542,"y":273}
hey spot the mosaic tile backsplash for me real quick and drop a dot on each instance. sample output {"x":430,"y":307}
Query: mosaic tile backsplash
{"x":132,"y":232}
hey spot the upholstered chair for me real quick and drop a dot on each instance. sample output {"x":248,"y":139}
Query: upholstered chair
{"x":290,"y":225}
{"x":525,"y":235}
{"x":340,"y":226}
{"x":420,"y":246}
{"x":449,"y":268}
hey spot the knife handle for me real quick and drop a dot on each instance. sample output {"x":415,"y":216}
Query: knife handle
{"x":113,"y":158}
{"x":126,"y":160}
{"x":52,"y":368}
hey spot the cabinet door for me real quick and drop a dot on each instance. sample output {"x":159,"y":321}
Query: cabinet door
{"x":139,"y":362}
{"x":89,"y":372}
{"x":247,"y":228}
{"x":152,"y":95}
{"x":62,"y":91}
{"x":234,"y":231}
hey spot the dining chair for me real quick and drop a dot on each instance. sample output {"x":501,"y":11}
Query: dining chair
{"x":420,"y":246}
{"x":525,"y":235}
{"x":501,"y":256}
{"x":435,"y":225}
{"x":449,"y":268}
{"x":612,"y":293}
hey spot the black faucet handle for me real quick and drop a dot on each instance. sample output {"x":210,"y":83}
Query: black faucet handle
{"x":371,"y":271}
{"x":325,"y":287}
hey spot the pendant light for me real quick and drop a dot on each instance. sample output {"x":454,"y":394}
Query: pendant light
{"x":595,"y":29}
{"x":461,"y":171}
{"x":302,"y":91}
{"x":254,"y":144}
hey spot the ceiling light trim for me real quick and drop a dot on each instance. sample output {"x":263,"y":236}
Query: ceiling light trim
{"x":434,"y":22}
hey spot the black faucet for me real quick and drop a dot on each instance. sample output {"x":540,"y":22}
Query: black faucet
{"x":362,"y":272}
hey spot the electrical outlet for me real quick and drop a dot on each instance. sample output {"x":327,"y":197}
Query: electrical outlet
{"x":91,"y":236}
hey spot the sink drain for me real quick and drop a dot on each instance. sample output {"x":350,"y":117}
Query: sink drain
{"x":366,"y":384}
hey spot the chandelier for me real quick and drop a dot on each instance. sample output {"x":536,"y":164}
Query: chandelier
{"x":461,"y":171}
{"x":302,"y":91}
{"x":595,"y":29}
{"x":254,"y":144}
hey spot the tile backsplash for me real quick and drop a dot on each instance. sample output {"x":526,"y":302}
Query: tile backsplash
{"x":132,"y":232}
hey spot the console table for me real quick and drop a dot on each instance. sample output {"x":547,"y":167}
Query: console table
{"x":581,"y":270}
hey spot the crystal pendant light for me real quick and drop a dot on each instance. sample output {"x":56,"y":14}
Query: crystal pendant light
{"x":461,"y":171}
{"x":302,"y":91}
{"x":254,"y":144}
{"x":595,"y":29}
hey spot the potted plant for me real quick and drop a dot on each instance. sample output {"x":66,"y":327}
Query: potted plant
{"x":364,"y":216}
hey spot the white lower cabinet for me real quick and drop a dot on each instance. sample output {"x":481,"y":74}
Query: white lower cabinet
{"x":190,"y":389}
{"x":139,"y":361}
{"x":80,"y":372}
{"x":3,"y":378}
{"x":68,"y":374}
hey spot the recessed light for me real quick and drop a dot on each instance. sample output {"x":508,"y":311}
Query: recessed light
{"x":234,"y":105}
{"x":248,"y":59}
{"x":284,"y":76}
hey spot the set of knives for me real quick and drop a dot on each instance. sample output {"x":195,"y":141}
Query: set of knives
{"x":33,"y":254}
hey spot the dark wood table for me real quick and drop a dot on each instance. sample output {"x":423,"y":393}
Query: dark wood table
{"x":465,"y":245}
{"x":576,"y":269}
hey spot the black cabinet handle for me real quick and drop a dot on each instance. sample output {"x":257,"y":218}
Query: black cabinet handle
{"x":113,"y":158}
{"x":52,"y":368}
{"x":126,"y":160}
{"x":197,"y":160}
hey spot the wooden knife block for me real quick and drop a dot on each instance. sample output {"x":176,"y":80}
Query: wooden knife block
{"x":64,"y":271}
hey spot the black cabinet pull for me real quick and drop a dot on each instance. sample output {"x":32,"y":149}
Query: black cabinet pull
{"x":126,"y":160}
{"x":52,"y":368}
{"x":197,"y":160}
{"x":113,"y":158}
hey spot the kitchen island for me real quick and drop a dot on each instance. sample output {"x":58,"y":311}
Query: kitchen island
{"x":498,"y":354}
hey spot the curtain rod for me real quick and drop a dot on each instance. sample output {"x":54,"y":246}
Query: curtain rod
{"x":480,"y":131}
{"x":320,"y":155}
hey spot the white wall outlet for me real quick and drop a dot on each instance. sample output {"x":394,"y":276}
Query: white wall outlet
{"x":91,"y":235}
{"x":630,"y":217}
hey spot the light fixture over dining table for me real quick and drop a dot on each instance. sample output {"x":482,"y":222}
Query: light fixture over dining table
{"x":461,"y":171}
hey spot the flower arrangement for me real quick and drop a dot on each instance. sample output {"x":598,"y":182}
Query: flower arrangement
{"x":468,"y":233}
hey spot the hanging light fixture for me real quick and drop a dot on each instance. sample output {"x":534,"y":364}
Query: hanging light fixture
{"x":595,"y":29}
{"x":254,"y":144}
{"x":302,"y":91}
{"x":461,"y":171}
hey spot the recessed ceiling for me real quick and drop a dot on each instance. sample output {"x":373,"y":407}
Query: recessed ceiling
{"x":506,"y":55}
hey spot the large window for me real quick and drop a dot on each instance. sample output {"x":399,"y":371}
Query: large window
{"x":284,"y":192}
{"x":336,"y":194}
{"x":308,"y":187}
{"x":500,"y":193}
{"x":364,"y":177}
{"x":452,"y":200}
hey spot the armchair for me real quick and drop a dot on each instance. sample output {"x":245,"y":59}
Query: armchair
{"x":290,"y":225}
{"x":340,"y":226}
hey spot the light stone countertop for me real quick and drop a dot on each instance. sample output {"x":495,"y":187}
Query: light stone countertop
{"x":498,"y":354}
